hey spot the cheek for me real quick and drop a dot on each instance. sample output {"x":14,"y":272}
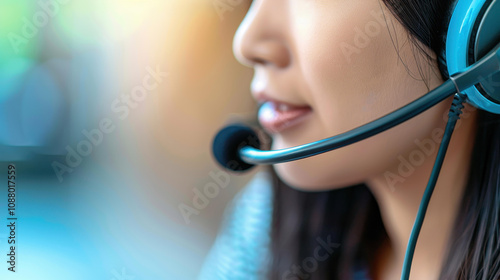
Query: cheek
{"x":350,"y":69}
{"x":350,"y":87}
{"x":348,"y":91}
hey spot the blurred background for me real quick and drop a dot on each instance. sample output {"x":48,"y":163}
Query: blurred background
{"x":108,"y":109}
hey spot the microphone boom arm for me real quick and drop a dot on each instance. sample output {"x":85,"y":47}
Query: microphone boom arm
{"x":256,"y":156}
{"x":485,"y":67}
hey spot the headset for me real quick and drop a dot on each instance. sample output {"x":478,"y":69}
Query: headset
{"x":473,"y":60}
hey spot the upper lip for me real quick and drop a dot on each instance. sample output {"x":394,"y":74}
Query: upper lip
{"x":262,"y":91}
{"x":262,"y":97}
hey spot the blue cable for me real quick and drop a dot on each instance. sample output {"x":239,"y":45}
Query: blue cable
{"x":453,"y":116}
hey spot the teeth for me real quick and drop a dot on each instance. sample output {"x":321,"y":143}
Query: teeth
{"x":283,"y":107}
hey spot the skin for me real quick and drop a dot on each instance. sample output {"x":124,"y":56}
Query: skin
{"x":297,"y":49}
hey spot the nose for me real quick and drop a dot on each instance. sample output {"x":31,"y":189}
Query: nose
{"x":260,"y":38}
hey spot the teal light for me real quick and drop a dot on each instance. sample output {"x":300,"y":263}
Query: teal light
{"x":12,"y":15}
{"x":12,"y":73}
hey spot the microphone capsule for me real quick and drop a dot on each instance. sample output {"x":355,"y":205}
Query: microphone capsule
{"x":229,"y":141}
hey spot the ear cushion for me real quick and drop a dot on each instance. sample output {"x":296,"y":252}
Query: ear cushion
{"x":473,"y":31}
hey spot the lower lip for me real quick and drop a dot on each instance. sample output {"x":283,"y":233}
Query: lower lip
{"x":275,"y":120}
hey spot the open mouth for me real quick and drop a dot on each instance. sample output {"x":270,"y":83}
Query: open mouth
{"x":276,"y":116}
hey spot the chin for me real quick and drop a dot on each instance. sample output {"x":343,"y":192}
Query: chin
{"x":332,"y":170}
{"x":299,"y":175}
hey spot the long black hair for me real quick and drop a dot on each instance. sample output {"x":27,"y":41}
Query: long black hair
{"x":350,"y":217}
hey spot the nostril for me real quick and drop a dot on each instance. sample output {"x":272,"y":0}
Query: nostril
{"x":269,"y":52}
{"x":259,"y":61}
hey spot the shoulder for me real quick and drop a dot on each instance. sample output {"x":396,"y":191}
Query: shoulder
{"x":241,"y":249}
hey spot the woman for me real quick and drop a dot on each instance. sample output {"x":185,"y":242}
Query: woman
{"x":326,"y":67}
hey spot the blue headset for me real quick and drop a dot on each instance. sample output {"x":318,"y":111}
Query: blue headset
{"x":474,"y":30}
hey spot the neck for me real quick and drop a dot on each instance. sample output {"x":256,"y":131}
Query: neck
{"x":399,"y":199}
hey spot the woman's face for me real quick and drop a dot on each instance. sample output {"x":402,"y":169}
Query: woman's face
{"x":342,"y":64}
